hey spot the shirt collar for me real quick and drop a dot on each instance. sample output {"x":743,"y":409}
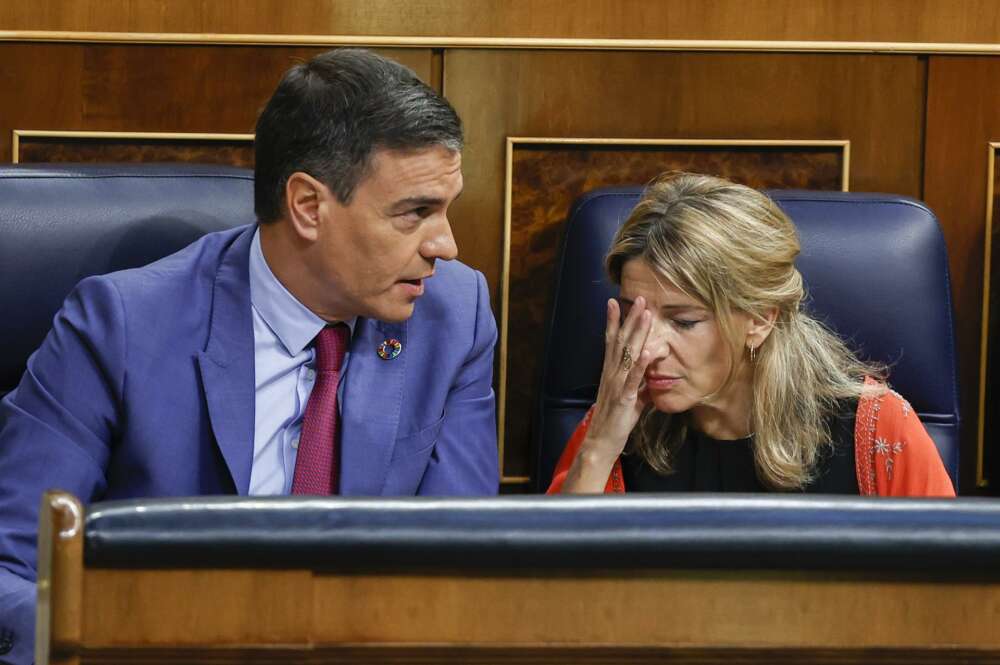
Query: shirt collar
{"x":294,"y":324}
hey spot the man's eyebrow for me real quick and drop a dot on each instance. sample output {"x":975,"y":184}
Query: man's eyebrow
{"x":417,"y":201}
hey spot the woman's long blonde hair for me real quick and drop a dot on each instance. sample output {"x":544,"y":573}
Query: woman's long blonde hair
{"x":731,"y":248}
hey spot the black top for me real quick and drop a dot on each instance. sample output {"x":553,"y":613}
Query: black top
{"x":704,"y":464}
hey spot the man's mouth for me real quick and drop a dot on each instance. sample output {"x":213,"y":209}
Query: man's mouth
{"x":413,"y":287}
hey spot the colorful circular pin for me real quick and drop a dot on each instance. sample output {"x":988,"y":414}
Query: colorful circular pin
{"x":389,"y":349}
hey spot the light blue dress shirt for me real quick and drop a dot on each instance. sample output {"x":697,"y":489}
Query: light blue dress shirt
{"x":284,"y":373}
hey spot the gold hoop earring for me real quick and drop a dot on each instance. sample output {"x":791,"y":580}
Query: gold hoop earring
{"x":753,"y":354}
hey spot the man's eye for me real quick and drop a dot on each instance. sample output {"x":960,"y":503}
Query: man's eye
{"x":414,"y":214}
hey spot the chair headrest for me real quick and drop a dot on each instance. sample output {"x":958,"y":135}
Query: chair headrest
{"x":63,"y":222}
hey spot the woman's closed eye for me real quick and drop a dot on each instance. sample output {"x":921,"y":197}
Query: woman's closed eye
{"x":686,"y":324}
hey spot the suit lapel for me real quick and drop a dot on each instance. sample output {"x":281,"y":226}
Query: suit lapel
{"x":373,"y":397}
{"x":227,"y":363}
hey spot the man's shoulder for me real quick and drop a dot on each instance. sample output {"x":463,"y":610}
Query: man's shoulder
{"x":170,"y":296}
{"x":198,"y":262}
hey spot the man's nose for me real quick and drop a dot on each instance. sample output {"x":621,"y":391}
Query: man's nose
{"x":440,"y":243}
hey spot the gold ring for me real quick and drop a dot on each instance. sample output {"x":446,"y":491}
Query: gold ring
{"x":626,"y":359}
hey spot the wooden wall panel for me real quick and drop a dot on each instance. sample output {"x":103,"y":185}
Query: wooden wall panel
{"x":875,"y":102}
{"x":118,"y":88}
{"x":117,"y":148}
{"x":975,"y":21}
{"x":963,"y":117}
{"x":540,"y":616}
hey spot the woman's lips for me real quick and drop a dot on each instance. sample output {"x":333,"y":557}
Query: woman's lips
{"x":659,"y":382}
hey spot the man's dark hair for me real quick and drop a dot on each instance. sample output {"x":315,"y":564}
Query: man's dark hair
{"x":329,"y":115}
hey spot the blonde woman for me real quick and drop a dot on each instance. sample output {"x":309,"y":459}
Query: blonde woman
{"x":715,"y":379}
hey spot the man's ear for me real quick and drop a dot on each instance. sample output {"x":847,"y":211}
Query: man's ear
{"x":759,"y":328}
{"x":304,"y":198}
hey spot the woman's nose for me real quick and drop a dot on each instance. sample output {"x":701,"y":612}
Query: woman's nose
{"x":658,"y":342}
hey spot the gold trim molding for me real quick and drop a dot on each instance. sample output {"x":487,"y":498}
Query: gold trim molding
{"x":512,"y":141}
{"x":981,"y":479}
{"x":748,"y":45}
{"x":19,"y":134}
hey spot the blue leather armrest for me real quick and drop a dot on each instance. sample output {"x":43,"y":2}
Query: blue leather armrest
{"x":946,"y":537}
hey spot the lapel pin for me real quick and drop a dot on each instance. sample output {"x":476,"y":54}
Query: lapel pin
{"x":389,"y":349}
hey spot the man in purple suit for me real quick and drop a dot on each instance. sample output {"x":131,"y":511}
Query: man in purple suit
{"x":195,"y":374}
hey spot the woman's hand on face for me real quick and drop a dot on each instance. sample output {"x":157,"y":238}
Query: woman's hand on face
{"x":620,"y":400}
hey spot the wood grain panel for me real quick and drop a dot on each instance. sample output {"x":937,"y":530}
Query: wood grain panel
{"x":666,"y":608}
{"x":534,"y":608}
{"x":111,"y":148}
{"x":60,"y":578}
{"x":147,"y":88}
{"x":858,"y":20}
{"x":875,"y":102}
{"x":547,"y":178}
{"x":194,"y":607}
{"x":510,"y":655}
{"x":963,"y":116}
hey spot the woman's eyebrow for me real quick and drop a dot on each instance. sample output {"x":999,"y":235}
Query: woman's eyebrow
{"x":681,"y":306}
{"x":670,"y":307}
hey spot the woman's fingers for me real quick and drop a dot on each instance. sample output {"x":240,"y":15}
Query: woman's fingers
{"x":611,"y":332}
{"x":631,"y":320}
{"x":614,"y":322}
{"x":624,"y":350}
{"x":641,"y":357}
{"x":625,"y":357}
{"x":635,"y":342}
{"x":625,"y":362}
{"x":634,"y":379}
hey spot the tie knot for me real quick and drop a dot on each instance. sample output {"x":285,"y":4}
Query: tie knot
{"x":331,"y":345}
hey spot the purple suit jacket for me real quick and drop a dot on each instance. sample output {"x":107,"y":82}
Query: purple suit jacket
{"x":145,"y":387}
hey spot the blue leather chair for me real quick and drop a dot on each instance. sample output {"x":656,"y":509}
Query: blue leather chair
{"x":876,"y":271}
{"x":60,"y":223}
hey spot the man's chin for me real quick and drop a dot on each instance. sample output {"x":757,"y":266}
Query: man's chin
{"x":395,"y":313}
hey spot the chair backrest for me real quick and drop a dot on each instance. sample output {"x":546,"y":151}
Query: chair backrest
{"x":876,"y":271}
{"x":60,"y":223}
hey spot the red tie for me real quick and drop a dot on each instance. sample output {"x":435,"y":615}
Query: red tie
{"x":318,"y":459}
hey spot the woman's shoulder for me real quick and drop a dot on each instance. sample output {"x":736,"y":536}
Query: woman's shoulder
{"x":898,"y":455}
{"x":880,"y":404}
